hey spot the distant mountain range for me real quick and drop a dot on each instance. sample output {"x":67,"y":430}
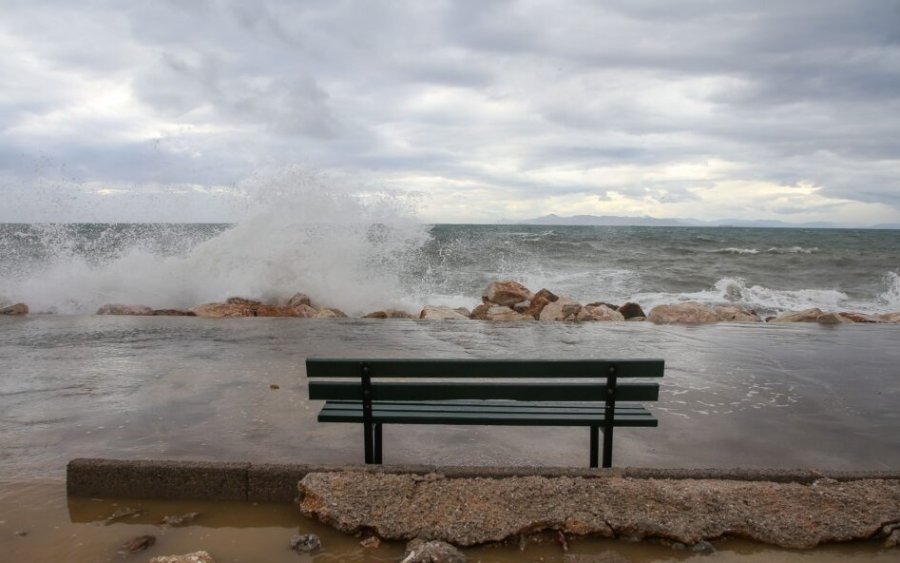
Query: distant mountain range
{"x":647,"y":221}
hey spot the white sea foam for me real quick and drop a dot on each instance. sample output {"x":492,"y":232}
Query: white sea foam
{"x":762,"y":299}
{"x":890,"y":297}
{"x":301,"y":234}
{"x":772,"y":250}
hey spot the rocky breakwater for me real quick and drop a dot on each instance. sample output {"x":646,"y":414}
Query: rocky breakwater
{"x":471,"y":511}
{"x":504,"y":300}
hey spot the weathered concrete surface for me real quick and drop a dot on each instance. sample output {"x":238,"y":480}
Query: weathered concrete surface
{"x":480,"y":510}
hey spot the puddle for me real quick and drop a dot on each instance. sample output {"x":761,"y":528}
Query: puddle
{"x":59,"y":528}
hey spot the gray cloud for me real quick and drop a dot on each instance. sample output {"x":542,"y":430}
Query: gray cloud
{"x":523,"y":98}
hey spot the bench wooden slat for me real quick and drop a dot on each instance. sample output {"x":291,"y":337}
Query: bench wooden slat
{"x":478,"y":369}
{"x":432,"y":391}
{"x":489,"y":406}
{"x":504,"y":418}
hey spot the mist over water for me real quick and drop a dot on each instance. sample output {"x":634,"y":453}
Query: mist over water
{"x":362,"y":250}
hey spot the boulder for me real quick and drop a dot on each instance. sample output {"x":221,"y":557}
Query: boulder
{"x":598,"y":313}
{"x":137,"y":544}
{"x":630,"y":310}
{"x":831,"y":319}
{"x":441,"y":313}
{"x":858,"y":317}
{"x":563,"y":309}
{"x":303,"y":311}
{"x":890,"y":317}
{"x":505,"y":293}
{"x":298,"y":299}
{"x":172,"y":313}
{"x":501,"y":313}
{"x":304,"y":543}
{"x":388,"y":314}
{"x":117,"y":309}
{"x":15,"y":309}
{"x":635,"y":319}
{"x":683,"y":313}
{"x":539,"y":301}
{"x":330,"y":313}
{"x":242,"y":301}
{"x":195,"y":557}
{"x":735,"y":314}
{"x":805,"y":316}
{"x":434,"y":551}
{"x":220,"y":310}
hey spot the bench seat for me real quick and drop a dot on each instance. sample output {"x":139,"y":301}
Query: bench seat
{"x":498,"y":413}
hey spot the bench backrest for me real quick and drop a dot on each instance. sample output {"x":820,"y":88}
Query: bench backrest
{"x":538,"y":380}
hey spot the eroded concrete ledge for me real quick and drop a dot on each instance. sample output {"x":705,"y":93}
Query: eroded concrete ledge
{"x":467,"y":511}
{"x":264,"y":482}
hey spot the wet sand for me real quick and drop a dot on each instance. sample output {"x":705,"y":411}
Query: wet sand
{"x":61,"y":528}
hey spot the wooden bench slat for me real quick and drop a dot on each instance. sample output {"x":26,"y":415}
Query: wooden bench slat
{"x":495,"y":406}
{"x":477,"y":369}
{"x":485,"y":418}
{"x":432,"y":391}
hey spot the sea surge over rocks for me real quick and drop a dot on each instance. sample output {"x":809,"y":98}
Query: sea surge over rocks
{"x":504,"y":300}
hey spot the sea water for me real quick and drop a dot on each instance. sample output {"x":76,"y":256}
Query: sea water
{"x":73,"y":384}
{"x":368,"y":265}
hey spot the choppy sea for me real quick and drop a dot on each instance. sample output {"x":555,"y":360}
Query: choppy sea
{"x":360,"y":266}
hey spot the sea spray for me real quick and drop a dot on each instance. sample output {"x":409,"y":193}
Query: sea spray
{"x":299,"y":233}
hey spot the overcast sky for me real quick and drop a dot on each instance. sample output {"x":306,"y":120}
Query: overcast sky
{"x":710,"y":109}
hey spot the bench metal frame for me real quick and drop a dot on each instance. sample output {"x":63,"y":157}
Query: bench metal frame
{"x":351,"y":395}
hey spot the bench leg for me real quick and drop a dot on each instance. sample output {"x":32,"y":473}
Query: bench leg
{"x":595,"y":441}
{"x":367,"y":442}
{"x":377,"y":443}
{"x":607,"y":446}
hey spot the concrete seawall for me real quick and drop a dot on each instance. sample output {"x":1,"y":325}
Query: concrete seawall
{"x":261,"y":482}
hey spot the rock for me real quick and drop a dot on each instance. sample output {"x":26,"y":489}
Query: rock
{"x":172,"y":313}
{"x":892,"y":540}
{"x":274,"y":386}
{"x":491,"y":312}
{"x":371,"y":542}
{"x":389,"y":314}
{"x":703,"y":546}
{"x":683,"y":313}
{"x":242,"y":301}
{"x":195,"y":557}
{"x":858,"y":317}
{"x":298,"y":299}
{"x":330,"y":313}
{"x":20,"y":533}
{"x":304,"y":543}
{"x":434,"y":551}
{"x":505,"y":293}
{"x":117,"y":309}
{"x":303,"y":311}
{"x":222,"y":310}
{"x":889,"y":317}
{"x":735,"y":314}
{"x":598,"y":313}
{"x":263,"y":310}
{"x":563,"y":309}
{"x":805,"y":316}
{"x":137,"y":544}
{"x":539,"y":301}
{"x":831,"y":319}
{"x":441,"y":313}
{"x":15,"y":309}
{"x":181,"y":520}
{"x":636,"y":319}
{"x":631,"y":310}
{"x":124,"y":512}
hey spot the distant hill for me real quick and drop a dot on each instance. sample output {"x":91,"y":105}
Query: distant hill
{"x":646,"y":221}
{"x":603,"y":220}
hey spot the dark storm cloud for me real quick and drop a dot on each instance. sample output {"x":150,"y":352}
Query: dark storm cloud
{"x":524,"y":98}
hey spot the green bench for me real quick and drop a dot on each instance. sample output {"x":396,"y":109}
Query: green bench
{"x":375,"y":392}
